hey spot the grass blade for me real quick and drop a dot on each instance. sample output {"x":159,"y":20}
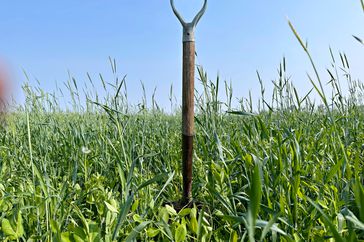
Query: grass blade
{"x":124,"y":210}
{"x":254,"y":204}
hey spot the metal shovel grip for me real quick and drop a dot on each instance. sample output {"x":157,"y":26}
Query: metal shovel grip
{"x":189,"y":28}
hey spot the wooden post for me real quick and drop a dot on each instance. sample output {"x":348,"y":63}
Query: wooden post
{"x":188,"y":97}
{"x":188,"y":114}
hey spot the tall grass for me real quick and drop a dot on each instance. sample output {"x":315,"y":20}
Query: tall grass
{"x":290,"y":169}
{"x":103,"y":172}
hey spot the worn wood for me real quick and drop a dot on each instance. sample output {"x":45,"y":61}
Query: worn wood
{"x":188,"y":88}
{"x":187,"y":142}
{"x":188,"y":114}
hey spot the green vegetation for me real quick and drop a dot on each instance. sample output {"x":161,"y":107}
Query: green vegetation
{"x":293,"y":171}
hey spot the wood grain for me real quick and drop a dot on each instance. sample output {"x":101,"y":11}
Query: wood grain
{"x":188,"y":114}
{"x":188,"y":87}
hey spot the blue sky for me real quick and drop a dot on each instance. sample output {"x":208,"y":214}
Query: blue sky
{"x":234,"y":38}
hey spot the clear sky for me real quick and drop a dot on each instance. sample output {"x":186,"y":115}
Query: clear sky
{"x":234,"y":38}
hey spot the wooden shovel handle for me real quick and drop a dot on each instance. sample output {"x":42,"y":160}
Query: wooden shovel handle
{"x":188,"y":114}
{"x":188,"y":88}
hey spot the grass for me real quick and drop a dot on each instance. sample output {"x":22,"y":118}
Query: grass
{"x":293,"y":171}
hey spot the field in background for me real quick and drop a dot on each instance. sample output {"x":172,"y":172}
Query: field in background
{"x":293,"y":171}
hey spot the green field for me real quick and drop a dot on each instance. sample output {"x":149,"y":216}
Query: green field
{"x":292,"y":174}
{"x":287,"y":169}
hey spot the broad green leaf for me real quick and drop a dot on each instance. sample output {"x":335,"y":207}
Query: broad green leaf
{"x":234,"y":236}
{"x":171,"y":210}
{"x":7,"y":229}
{"x":77,"y":238}
{"x":163,"y":214}
{"x":181,"y":233}
{"x":79,"y":234}
{"x":194,"y":225}
{"x":111,"y":207}
{"x":66,"y":237}
{"x":94,"y":227}
{"x":54,"y":226}
{"x":193,"y":212}
{"x":19,"y":226}
{"x":184,"y":212}
{"x":135,"y":205}
{"x":137,"y":218}
{"x":151,"y":204}
{"x":152,"y":232}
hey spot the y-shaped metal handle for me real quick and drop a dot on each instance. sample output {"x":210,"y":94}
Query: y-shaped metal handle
{"x":189,"y":28}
